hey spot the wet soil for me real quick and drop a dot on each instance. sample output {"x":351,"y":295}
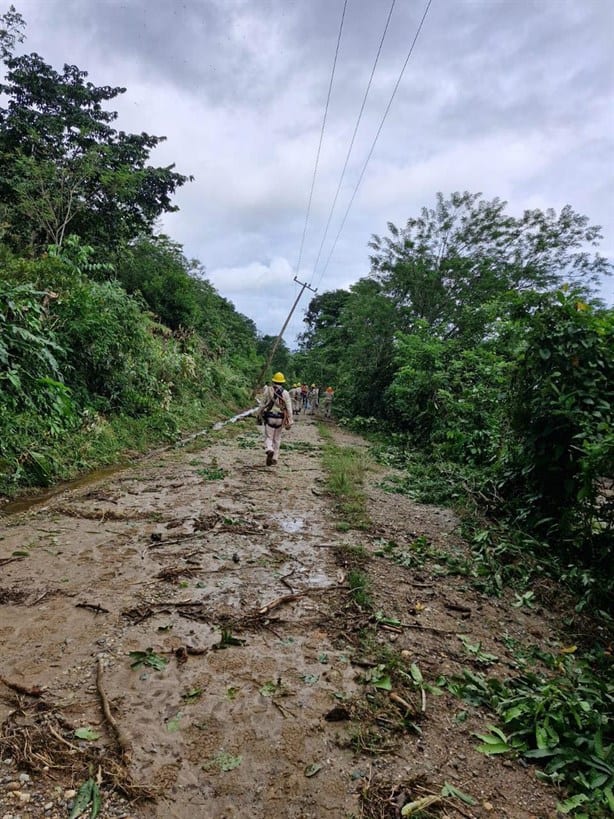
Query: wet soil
{"x":252,"y":694}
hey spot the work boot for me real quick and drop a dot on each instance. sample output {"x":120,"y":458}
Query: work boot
{"x":269,"y":457}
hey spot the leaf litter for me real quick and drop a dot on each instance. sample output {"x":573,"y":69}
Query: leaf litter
{"x":299,"y":680}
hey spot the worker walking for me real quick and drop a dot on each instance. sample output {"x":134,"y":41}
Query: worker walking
{"x":276,"y":414}
{"x":295,"y":395}
{"x":328,"y":401}
{"x":314,"y":399}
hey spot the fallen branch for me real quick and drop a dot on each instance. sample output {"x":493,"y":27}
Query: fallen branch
{"x":39,"y":598}
{"x":157,"y":543}
{"x":288,"y":598}
{"x":409,"y":707}
{"x":6,"y":560}
{"x":122,"y":739}
{"x":95,"y":607}
{"x":36,"y":691}
{"x":61,"y":739}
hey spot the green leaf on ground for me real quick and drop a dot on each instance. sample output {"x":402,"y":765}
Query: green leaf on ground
{"x":450,"y":790}
{"x":192,"y":695}
{"x":87,"y":733}
{"x":223,"y":761}
{"x":149,"y":658}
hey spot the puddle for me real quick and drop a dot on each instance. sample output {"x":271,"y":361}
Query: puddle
{"x":289,"y":525}
{"x":30,"y":501}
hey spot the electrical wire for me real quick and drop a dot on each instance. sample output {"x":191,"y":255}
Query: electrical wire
{"x":379,"y":130}
{"x":315,"y":170}
{"x":347,"y":157}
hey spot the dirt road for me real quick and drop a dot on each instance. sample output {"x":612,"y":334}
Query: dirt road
{"x":261,"y":686}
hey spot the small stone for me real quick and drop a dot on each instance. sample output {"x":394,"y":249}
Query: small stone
{"x":24,"y":777}
{"x":488,"y":806}
{"x":70,"y":794}
{"x":13,"y":786}
{"x":23,"y":796}
{"x":48,"y":806}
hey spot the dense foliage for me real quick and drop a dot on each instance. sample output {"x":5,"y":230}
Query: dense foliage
{"x":477,"y":359}
{"x":110,"y":338}
{"x":475,"y":341}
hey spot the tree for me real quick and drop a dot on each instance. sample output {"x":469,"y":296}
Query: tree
{"x":445,"y":265}
{"x":12,"y":25}
{"x":562,"y":417}
{"x":64,"y":163}
{"x":281,"y":361}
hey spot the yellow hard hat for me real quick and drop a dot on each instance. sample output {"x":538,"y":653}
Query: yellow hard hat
{"x":313,"y":385}
{"x":279,"y":378}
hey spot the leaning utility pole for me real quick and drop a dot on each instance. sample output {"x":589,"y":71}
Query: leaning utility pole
{"x":304,"y":286}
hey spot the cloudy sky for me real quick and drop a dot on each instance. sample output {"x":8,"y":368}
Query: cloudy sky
{"x":513,"y":98}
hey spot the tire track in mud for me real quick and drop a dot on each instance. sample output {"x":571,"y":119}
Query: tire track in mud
{"x":179,"y":555}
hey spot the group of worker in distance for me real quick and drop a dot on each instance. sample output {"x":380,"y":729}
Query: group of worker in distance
{"x":278,"y":407}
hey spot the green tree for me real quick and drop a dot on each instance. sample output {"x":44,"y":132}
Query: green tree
{"x":65,"y":164}
{"x":562,"y":417}
{"x":12,"y":26}
{"x":367,"y":364}
{"x":281,"y":361}
{"x":445,"y":265}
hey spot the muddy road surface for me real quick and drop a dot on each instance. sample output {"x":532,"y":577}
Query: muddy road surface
{"x":202,"y":636}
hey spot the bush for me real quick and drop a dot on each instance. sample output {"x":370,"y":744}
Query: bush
{"x":562,"y":416}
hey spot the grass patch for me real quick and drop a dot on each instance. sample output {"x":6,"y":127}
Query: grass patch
{"x":359,"y":589}
{"x":345,"y":469}
{"x":101,"y":440}
{"x":211,"y":472}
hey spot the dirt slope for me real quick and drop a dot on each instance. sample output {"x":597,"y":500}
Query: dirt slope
{"x":184,"y":553}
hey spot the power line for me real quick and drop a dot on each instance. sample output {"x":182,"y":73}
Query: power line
{"x":347,"y":158}
{"x":267,"y":364}
{"x":381,"y":125}
{"x":305,"y":285}
{"x":315,"y":170}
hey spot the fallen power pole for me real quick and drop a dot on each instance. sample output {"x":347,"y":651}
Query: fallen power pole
{"x":304,"y":286}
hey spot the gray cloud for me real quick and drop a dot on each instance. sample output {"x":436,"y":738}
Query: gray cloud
{"x":509,"y":97}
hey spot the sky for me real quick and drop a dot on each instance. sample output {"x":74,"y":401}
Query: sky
{"x":510,"y":98}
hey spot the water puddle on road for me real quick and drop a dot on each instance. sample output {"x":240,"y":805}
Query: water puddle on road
{"x":290,"y":525}
{"x":30,"y":501}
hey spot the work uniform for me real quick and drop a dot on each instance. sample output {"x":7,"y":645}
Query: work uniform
{"x":328,"y":401}
{"x":275,"y":419}
{"x":314,"y":399}
{"x":295,"y":395}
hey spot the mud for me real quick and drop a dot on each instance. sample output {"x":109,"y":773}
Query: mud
{"x":235,"y":576}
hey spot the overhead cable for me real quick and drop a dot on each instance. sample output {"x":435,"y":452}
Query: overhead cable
{"x":347,"y":157}
{"x":315,"y":170}
{"x":381,"y":125}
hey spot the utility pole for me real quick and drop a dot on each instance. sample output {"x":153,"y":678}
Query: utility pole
{"x":304,"y":286}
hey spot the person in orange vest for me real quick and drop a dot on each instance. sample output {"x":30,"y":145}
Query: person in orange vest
{"x":276,"y":414}
{"x":328,"y":401}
